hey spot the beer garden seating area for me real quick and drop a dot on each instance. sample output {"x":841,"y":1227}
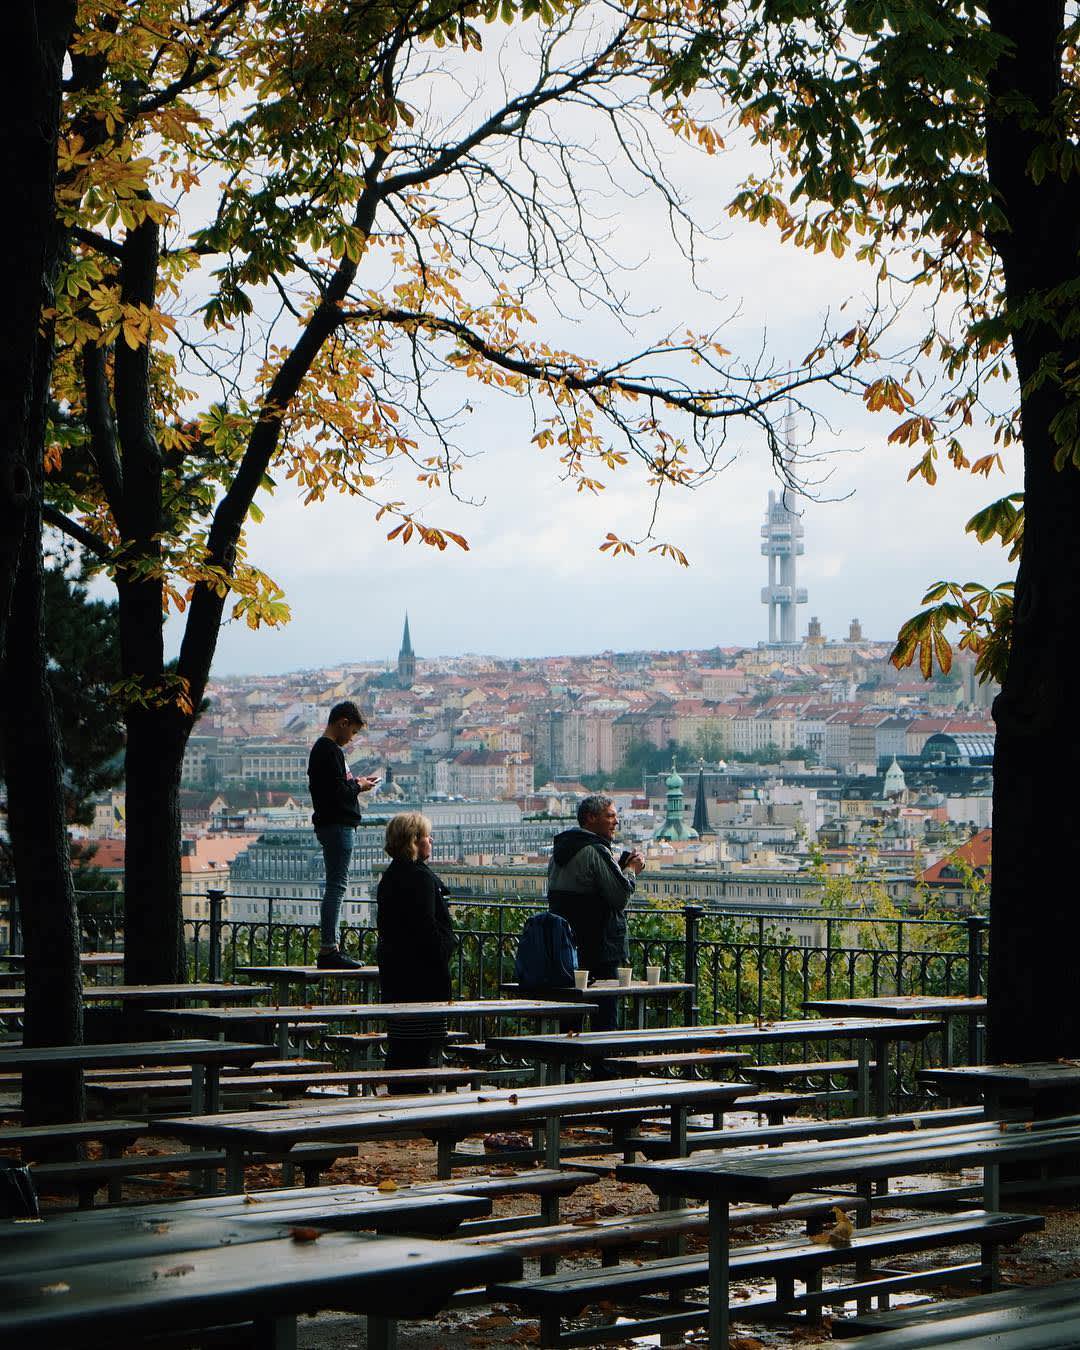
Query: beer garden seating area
{"x":805,"y":1116}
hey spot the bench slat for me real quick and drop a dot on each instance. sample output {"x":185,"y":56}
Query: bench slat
{"x":569,"y":1292}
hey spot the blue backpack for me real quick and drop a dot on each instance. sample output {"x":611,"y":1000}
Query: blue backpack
{"x":546,"y":955}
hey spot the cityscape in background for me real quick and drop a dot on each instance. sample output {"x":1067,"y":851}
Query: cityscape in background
{"x":778,"y":776}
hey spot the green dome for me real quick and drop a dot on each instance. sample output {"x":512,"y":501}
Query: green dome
{"x":673,"y":779}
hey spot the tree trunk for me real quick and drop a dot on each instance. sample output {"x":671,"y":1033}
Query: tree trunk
{"x":39,"y":841}
{"x":153,"y":914}
{"x":35,"y":38}
{"x":1034,"y":928}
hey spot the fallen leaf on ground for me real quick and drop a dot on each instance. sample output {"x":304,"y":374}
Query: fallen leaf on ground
{"x":305,"y":1234}
{"x":388,"y":1184}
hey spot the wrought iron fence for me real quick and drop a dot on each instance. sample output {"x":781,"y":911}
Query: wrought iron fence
{"x":744,"y":965}
{"x":741,"y":965}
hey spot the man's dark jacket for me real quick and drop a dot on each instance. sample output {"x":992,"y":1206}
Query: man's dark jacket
{"x":586,"y":886}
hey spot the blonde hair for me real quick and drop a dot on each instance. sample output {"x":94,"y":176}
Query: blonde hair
{"x":403,"y":835}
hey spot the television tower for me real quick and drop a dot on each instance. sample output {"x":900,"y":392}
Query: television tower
{"x":782,"y":542}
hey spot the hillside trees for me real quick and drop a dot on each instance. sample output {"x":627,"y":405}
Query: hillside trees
{"x":294,"y":227}
{"x":938,"y":139}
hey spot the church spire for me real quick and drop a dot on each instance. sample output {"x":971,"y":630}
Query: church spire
{"x":406,"y":662}
{"x":701,"y":808}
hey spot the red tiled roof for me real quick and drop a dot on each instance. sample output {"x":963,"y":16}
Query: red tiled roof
{"x":974,"y":854}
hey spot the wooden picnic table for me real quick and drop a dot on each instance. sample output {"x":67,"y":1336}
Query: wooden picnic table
{"x":147,"y":994}
{"x":944,"y":1007}
{"x":283,"y":978}
{"x":774,"y":1175}
{"x":205,"y":1057}
{"x":872,"y":1037}
{"x":127,"y":1233}
{"x":1048,"y":1089}
{"x":250,"y":1020}
{"x":269,"y":1281}
{"x":639,"y":991}
{"x":449,"y":1117}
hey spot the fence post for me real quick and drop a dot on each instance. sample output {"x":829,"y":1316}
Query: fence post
{"x":976,"y":927}
{"x":15,"y":919}
{"x":691,"y":917}
{"x":215,"y":898}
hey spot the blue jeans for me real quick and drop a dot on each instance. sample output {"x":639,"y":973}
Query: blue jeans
{"x":337,"y":846}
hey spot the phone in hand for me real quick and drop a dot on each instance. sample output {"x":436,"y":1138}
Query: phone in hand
{"x":625,"y":856}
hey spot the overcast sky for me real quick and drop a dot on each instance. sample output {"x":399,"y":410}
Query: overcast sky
{"x":534,"y":582}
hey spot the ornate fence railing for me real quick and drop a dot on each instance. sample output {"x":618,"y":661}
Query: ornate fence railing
{"x":742,"y":965}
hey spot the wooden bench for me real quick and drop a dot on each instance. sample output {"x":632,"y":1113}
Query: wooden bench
{"x":547,"y":1184}
{"x":360,"y":1047}
{"x":138,"y":1095}
{"x":554,"y":1297}
{"x":1046,"y":1316}
{"x":628,"y":1230}
{"x":780,"y":1075}
{"x":88,"y":1176}
{"x":799,"y":1132}
{"x":181,"y":1073}
{"x":78,"y":1235}
{"x":115,"y":1135}
{"x":676,"y":1059}
{"x":774,"y":1106}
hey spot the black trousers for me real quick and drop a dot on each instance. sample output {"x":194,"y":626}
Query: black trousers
{"x":607,"y":1016}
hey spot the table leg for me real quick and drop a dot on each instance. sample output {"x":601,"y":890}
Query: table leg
{"x":276,"y":1333}
{"x":718,"y":1275}
{"x":678,"y":1131}
{"x":198,"y":1089}
{"x":639,"y":1011}
{"x":234,"y":1171}
{"x":283,"y":1040}
{"x":444,"y":1147}
{"x":552,"y":1125}
{"x":213,"y":1088}
{"x":381,"y":1333}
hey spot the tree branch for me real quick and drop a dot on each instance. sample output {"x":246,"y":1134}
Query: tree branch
{"x":91,"y":542}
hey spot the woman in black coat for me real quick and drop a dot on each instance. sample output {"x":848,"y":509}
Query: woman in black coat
{"x":416,"y":938}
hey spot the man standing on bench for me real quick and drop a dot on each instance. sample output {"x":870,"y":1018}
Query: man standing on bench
{"x":334,"y":793}
{"x":589,"y":888}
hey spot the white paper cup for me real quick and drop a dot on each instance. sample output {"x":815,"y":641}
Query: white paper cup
{"x":581,"y":979}
{"x":624,"y":973}
{"x":652,"y":974}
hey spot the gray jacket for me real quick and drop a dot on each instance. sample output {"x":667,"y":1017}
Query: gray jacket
{"x":587,"y":887}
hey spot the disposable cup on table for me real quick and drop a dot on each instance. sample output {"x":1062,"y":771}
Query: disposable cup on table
{"x":581,"y":979}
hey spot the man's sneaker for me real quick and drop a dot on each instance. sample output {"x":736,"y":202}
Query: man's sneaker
{"x":337,"y":960}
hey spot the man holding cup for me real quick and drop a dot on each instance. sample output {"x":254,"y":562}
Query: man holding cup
{"x":589,"y":888}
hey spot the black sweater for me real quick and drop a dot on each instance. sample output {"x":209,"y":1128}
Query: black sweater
{"x":332,"y":795}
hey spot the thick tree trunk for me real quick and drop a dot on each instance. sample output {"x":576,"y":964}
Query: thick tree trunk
{"x":153,"y":914}
{"x":35,"y":38}
{"x":1034,"y":928}
{"x":39,"y":841}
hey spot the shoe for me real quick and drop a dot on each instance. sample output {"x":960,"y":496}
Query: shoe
{"x":336,"y":960}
